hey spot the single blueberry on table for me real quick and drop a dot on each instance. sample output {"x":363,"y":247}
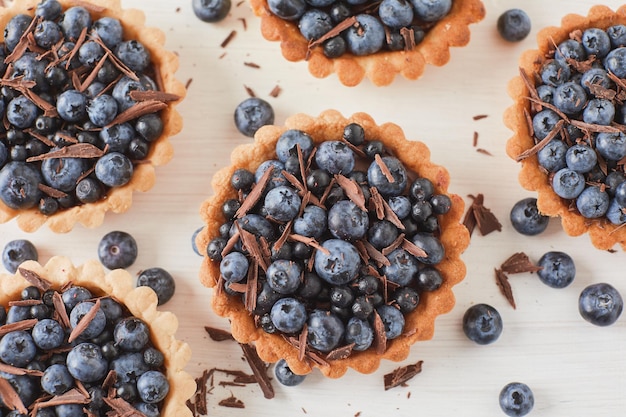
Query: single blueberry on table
{"x":558,"y":269}
{"x":325,"y":330}
{"x":117,"y":249}
{"x":593,"y":202}
{"x":211,"y":11}
{"x":526,"y":218}
{"x":288,"y":315}
{"x":161,"y":282}
{"x":366,"y":37}
{"x":17,"y":251}
{"x":516,"y":399}
{"x":514,"y":25}
{"x":152,"y":387}
{"x":285,"y":375}
{"x":251,"y":114}
{"x":600,"y":304}
{"x":482,"y":324}
{"x":114,"y":169}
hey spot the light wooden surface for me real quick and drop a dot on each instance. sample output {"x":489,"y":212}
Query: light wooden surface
{"x":574,"y":368}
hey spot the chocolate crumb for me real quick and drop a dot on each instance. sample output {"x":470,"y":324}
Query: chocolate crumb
{"x":59,"y":308}
{"x":479,"y":215}
{"x":251,"y":65}
{"x":275,"y":91}
{"x":475,"y":139}
{"x":400,"y":376}
{"x":383,"y":167}
{"x":232,"y":402}
{"x":479,"y":116}
{"x":249,"y":90}
{"x":218,"y":335}
{"x":484,"y":151}
{"x":77,"y":150}
{"x":188,"y":83}
{"x":52,"y":192}
{"x":243,"y":23}
{"x":138,"y":95}
{"x":228,"y":38}
{"x":380,"y":337}
{"x":35,"y":279}
{"x":517,"y":263}
{"x":502,"y":280}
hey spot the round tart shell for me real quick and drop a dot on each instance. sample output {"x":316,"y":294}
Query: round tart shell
{"x":329,"y":126}
{"x":382,"y":67}
{"x":140,"y":301}
{"x":604,"y":235}
{"x":119,"y":199}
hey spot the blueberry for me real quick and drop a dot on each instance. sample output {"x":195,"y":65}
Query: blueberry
{"x":360,"y":333}
{"x":393,"y":320}
{"x":406,"y":298}
{"x":482,"y":324}
{"x":25,"y":387}
{"x":382,"y":234}
{"x":285,"y":375}
{"x":402,"y":269}
{"x":373,"y":148}
{"x":600,"y":304}
{"x":72,"y":106}
{"x":441,"y":204}
{"x":431,"y":10}
{"x":74,"y":295}
{"x":570,"y":49}
{"x":567,"y":183}
{"x":570,"y":98}
{"x":149,"y":410}
{"x":129,"y":367}
{"x":526,"y":218}
{"x":17,"y":348}
{"x":21,"y":112}
{"x":153,"y":357}
{"x":161,"y":282}
{"x":48,"y":334}
{"x":117,"y":249}
{"x":599,"y":111}
{"x":56,"y":380}
{"x":554,"y":73}
{"x":421,"y":189}
{"x":617,"y":35}
{"x":276,"y":177}
{"x":215,"y":248}
{"x":211,"y":10}
{"x":287,"y":9}
{"x":335,"y":157}
{"x":288,"y":315}
{"x":17,"y":313}
{"x":17,"y":251}
{"x":74,"y":20}
{"x":133,"y":54}
{"x":428,"y":279}
{"x":312,"y":223}
{"x":89,"y":190}
{"x":581,"y":158}
{"x":47,"y":34}
{"x":265,"y":300}
{"x":435,"y":252}
{"x":552,"y":156}
{"x":152,"y":387}
{"x":131,"y":334}
{"x":396,"y":13}
{"x":63,"y":173}
{"x":314,"y":24}
{"x":615,"y":62}
{"x":121,"y":92}
{"x":251,"y":114}
{"x":388,"y":186}
{"x":546,"y":93}
{"x":14,"y":30}
{"x":514,"y":25}
{"x":400,"y":205}
{"x":69,"y":410}
{"x":611,"y":146}
{"x":325,"y":330}
{"x":95,"y":326}
{"x":558,"y":269}
{"x":102,"y":110}
{"x":516,"y":399}
{"x":620,"y":194}
{"x":114,"y":169}
{"x":347,"y":221}
{"x":287,"y":141}
{"x":90,"y":53}
{"x":49,"y":9}
{"x":234,"y":267}
{"x":592,"y":202}
{"x":257,"y":225}
{"x":109,"y":30}
{"x":366,"y":37}
{"x":282,"y":203}
{"x":283,"y":276}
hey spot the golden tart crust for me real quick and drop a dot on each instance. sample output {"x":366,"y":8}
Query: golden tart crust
{"x":329,"y":125}
{"x":140,"y":301}
{"x":381,"y":68}
{"x":119,"y":199}
{"x":604,"y":235}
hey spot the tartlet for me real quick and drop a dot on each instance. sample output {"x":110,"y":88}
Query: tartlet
{"x":415,"y":156}
{"x":603,"y":234}
{"x":141,"y":302}
{"x":118,"y":199}
{"x":381,"y":67}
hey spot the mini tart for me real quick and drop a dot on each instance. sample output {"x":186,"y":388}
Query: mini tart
{"x":382,"y":67}
{"x":419,"y":324}
{"x":141,"y":302}
{"x":118,"y":199}
{"x":604,"y":235}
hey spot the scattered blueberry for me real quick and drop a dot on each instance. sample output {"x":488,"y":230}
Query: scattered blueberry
{"x":482,"y":324}
{"x":514,"y":25}
{"x":117,"y":249}
{"x":251,"y":114}
{"x":17,"y":251}
{"x":211,"y":10}
{"x":526,"y":218}
{"x":516,"y":399}
{"x":161,"y":282}
{"x":285,"y":375}
{"x":600,"y":304}
{"x":558,"y":269}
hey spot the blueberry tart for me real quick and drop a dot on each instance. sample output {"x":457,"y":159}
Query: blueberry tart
{"x":361,"y":38}
{"x":89,"y":342}
{"x":569,"y":124}
{"x":332,"y":243}
{"x":87,"y":97}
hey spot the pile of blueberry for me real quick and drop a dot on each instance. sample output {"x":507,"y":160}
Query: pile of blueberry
{"x":581,"y":94}
{"x":112,"y":340}
{"x":349,"y":235}
{"x":68,"y":135}
{"x":388,"y":25}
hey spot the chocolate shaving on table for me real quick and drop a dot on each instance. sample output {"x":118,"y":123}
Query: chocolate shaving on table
{"x":188,"y":83}
{"x":534,"y":105}
{"x":249,"y":90}
{"x":252,"y":65}
{"x":352,"y":190}
{"x":10,"y":398}
{"x":475,"y":139}
{"x":139,"y":95}
{"x":541,"y":144}
{"x":375,"y":254}
{"x":137,"y":110}
{"x":258,"y":369}
{"x":275,"y":91}
{"x":480,"y":116}
{"x":35,"y":279}
{"x":394,"y":245}
{"x":13,"y":370}
{"x":59,"y":307}
{"x":518,"y":263}
{"x":82,"y":325}
{"x":380,"y":337}
{"x":377,"y":201}
{"x":228,"y":38}
{"x":340,"y":27}
{"x":122,"y":408}
{"x":52,"y":192}
{"x":252,"y":246}
{"x":218,"y":335}
{"x":255,"y":193}
{"x":340,"y":353}
{"x":201,"y":393}
{"x":18,"y":325}
{"x":384,"y":169}
{"x":484,"y":151}
{"x":413,"y":249}
{"x":309,"y":241}
{"x":77,"y":150}
{"x":251,"y":287}
{"x":400,"y":376}
{"x":244,"y":23}
{"x":485,"y":219}
{"x":502,"y":280}
{"x":232,"y":402}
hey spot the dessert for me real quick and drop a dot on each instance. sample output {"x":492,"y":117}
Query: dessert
{"x":350,"y":38}
{"x":342,"y":235}
{"x":568,"y":124}
{"x":89,"y":96}
{"x":47,"y":305}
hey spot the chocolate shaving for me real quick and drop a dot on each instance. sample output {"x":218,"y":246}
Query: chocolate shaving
{"x":595,"y":128}
{"x":228,"y":38}
{"x":400,"y":376}
{"x":250,"y":243}
{"x":327,"y":190}
{"x":380,"y":337}
{"x":201,"y":393}
{"x":302,"y":338}
{"x":541,"y":144}
{"x":122,"y":408}
{"x":294,"y":181}
{"x":283,"y":237}
{"x":258,"y":369}
{"x":25,"y":303}
{"x":352,"y":190}
{"x":484,"y":151}
{"x":232,"y":402}
{"x":52,"y":192}
{"x":148,"y":95}
{"x":59,"y":307}
{"x":40,"y":137}
{"x":13,"y":370}
{"x":110,"y":380}
{"x":188,"y":83}
{"x":84,"y":322}
{"x":375,"y":254}
{"x":251,"y":65}
{"x":502,"y":280}
{"x":518,"y":263}
{"x":35,"y":279}
{"x":340,"y":353}
{"x":77,"y":45}
{"x":18,"y":325}
{"x":391,"y":216}
{"x":475,"y":139}
{"x":479,"y":215}
{"x":601,"y":92}
{"x":137,"y":110}
{"x":18,"y":83}
{"x":93,"y":74}
{"x":394,"y":245}
{"x":230,"y":243}
{"x":340,"y":27}
{"x":383,"y":167}
{"x":218,"y":335}
{"x":48,"y":109}
{"x":309,"y":241}
{"x":73,"y":396}
{"x":255,"y":193}
{"x":116,"y":61}
{"x":378,"y":202}
{"x":413,"y":249}
{"x":249,"y":90}
{"x":10,"y":398}
{"x":77,"y":150}
{"x":22,"y":44}
{"x":551,"y":107}
{"x":534,"y":105}
{"x":275,"y":91}
{"x":409,"y":38}
{"x":581,"y":66}
{"x":479,"y":116}
{"x":243,"y":23}
{"x":251,"y":287}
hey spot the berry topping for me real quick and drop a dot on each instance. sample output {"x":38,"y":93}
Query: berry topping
{"x":516,"y":399}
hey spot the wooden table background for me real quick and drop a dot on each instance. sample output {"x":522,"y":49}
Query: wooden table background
{"x":574,"y":368}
